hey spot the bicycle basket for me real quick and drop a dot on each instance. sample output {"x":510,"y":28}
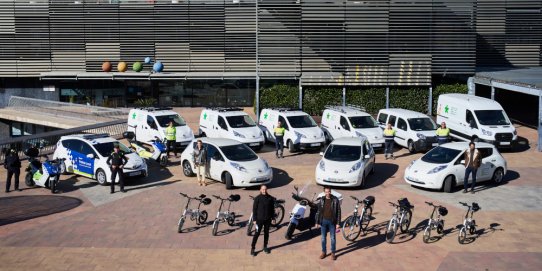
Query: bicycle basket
{"x":234,"y":197}
{"x":475,"y":207}
{"x":369,"y":200}
{"x":404,"y":203}
{"x":442,"y":211}
{"x":206,"y":201}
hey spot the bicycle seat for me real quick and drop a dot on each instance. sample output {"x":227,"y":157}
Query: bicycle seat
{"x":475,"y":207}
{"x":206,"y":201}
{"x":404,"y":203}
{"x":234,"y":197}
{"x":252,"y":197}
{"x":202,"y":196}
{"x":442,"y":211}
{"x":369,"y":200}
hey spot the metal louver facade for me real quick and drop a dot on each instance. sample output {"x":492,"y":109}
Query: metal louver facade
{"x":320,"y":42}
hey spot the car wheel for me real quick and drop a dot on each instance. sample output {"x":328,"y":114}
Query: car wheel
{"x":498,"y":176}
{"x":101,"y":177}
{"x":28,"y":180}
{"x":411,"y":147}
{"x":291,"y":147}
{"x":228,"y":180}
{"x":448,"y":184}
{"x":187,"y":169}
{"x":62,"y":168}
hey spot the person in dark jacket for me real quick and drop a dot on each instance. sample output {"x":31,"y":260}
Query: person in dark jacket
{"x":117,"y":160}
{"x":262,"y":211}
{"x":13,"y":166}
{"x":328,"y":218}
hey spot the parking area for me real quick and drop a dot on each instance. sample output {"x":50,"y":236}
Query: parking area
{"x":138,"y":229}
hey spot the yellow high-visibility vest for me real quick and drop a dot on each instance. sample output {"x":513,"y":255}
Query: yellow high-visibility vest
{"x":279,"y":131}
{"x":171,"y":133}
{"x":443,"y":131}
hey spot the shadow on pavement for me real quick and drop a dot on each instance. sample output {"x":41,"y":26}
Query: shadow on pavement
{"x":20,"y":208}
{"x":299,"y":237}
{"x":383,"y":172}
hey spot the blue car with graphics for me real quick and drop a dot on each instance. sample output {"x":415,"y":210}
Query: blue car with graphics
{"x":86,"y":155}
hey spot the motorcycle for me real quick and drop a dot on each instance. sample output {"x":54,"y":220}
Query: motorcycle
{"x":44,"y":174}
{"x":159,"y":149}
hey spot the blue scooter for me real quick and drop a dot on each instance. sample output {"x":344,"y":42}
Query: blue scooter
{"x":46,"y":174}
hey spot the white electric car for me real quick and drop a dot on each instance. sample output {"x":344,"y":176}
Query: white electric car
{"x":346,"y":162}
{"x":86,"y":155}
{"x":443,"y":166}
{"x":229,"y":161}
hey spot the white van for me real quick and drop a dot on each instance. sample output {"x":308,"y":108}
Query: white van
{"x":350,"y":121}
{"x":301,"y":132}
{"x":475,"y":118}
{"x":149,"y":123}
{"x":414,"y":130}
{"x":232,"y":123}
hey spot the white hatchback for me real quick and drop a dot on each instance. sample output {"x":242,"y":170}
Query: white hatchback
{"x":229,"y":161}
{"x":443,"y":166}
{"x":346,"y":162}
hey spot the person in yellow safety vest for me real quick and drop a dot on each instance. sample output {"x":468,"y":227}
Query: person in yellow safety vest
{"x":279,"y":139}
{"x":443,"y":133}
{"x":171,"y":137}
{"x":389,"y":136}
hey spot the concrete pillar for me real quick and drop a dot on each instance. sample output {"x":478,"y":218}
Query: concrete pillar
{"x":387,"y":97}
{"x":257,"y":98}
{"x":540,"y":122}
{"x":344,"y":95}
{"x":430,"y":102}
{"x":471,"y":86}
{"x":300,"y":95}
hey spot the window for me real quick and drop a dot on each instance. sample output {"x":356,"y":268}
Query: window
{"x":342,"y":153}
{"x":165,"y":120}
{"x":382,"y":118}
{"x":222,"y":123}
{"x":240,"y":121}
{"x":364,"y":122}
{"x":151,"y":122}
{"x":422,"y":124}
{"x":212,"y":151}
{"x":491,"y":117}
{"x":392,"y":120}
{"x":485,"y":152}
{"x":86,"y":149}
{"x":75,"y":145}
{"x":106,"y":148}
{"x":239,"y":153}
{"x":301,"y":121}
{"x":366,"y":148}
{"x":283,"y":122}
{"x":401,"y":124}
{"x":440,"y":155}
{"x":344,"y":123}
{"x":470,"y":120}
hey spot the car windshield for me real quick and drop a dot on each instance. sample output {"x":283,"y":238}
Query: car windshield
{"x":302,"y":121}
{"x":240,"y":121}
{"x":491,"y":117}
{"x":422,"y":124}
{"x":164,"y":120}
{"x":440,"y":155}
{"x":106,"y":148}
{"x":239,"y":153}
{"x":363,"y":122}
{"x":342,"y":153}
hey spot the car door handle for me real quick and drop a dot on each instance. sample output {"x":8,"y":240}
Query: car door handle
{"x":494,"y":160}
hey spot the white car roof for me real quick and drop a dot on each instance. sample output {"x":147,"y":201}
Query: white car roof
{"x":229,"y":113}
{"x":465,"y":145}
{"x":478,"y":103}
{"x":348,"y":111}
{"x":219,"y":141}
{"x":92,"y":139}
{"x":399,"y":112}
{"x":349,"y":141}
{"x":156,"y":111}
{"x":288,"y":112}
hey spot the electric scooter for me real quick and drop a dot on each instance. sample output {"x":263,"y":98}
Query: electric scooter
{"x":44,"y":174}
{"x":298,"y":220}
{"x":159,"y":150}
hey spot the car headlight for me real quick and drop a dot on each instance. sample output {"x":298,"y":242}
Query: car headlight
{"x":298,"y":134}
{"x":355,"y":167}
{"x":238,"y":167}
{"x":238,"y":134}
{"x":420,"y":136}
{"x":486,"y":132}
{"x":359,"y":134}
{"x":266,"y":165}
{"x":260,"y":134}
{"x":515,"y":132}
{"x":321,"y":134}
{"x":322,"y":165}
{"x":437,"y":169}
{"x":410,"y":165}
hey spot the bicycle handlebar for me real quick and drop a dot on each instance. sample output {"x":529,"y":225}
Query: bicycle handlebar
{"x":464,"y":204}
{"x":184,"y":195}
{"x":354,"y":198}
{"x":217,"y":197}
{"x":252,"y":197}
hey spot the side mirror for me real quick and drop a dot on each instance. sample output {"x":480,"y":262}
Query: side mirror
{"x":321,"y":153}
{"x":367,"y":156}
{"x":90,"y":156}
{"x":462,"y":162}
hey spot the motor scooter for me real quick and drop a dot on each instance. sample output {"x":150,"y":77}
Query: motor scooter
{"x":159,"y":149}
{"x":44,"y":174}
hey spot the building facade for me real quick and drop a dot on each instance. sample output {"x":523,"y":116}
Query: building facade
{"x":215,"y":52}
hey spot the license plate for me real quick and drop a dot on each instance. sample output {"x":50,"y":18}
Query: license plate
{"x":435,"y":144}
{"x":335,"y":180}
{"x":315,"y":144}
{"x":135,"y":173}
{"x":505,"y":143}
{"x":376,"y":145}
{"x":253,"y":144}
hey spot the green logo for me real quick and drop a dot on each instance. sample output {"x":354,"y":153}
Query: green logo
{"x":328,"y":115}
{"x":204,"y":116}
{"x":446,"y":108}
{"x":133,"y":115}
{"x":265,"y":116}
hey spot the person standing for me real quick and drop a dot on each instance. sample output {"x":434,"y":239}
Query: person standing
{"x":279,"y":139}
{"x":200,"y":162}
{"x":171,"y":138}
{"x":262,"y":211}
{"x":13,"y":166}
{"x":389,"y":141}
{"x":472,"y":163}
{"x":328,"y":218}
{"x":443,"y":133}
{"x":116,"y":161}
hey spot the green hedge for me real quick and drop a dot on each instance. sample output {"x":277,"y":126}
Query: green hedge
{"x":412,"y":99}
{"x":316,"y":99}
{"x":372,"y":99}
{"x":281,"y":95}
{"x":447,"y":88}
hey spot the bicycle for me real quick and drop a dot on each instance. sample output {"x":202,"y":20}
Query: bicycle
{"x":195,"y":214}
{"x":356,"y":223}
{"x":278,"y":216}
{"x":469,"y":224}
{"x":437,"y":224}
{"x":400,"y":219}
{"x":226,"y":216}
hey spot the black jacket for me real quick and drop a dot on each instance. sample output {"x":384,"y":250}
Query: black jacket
{"x":117,"y":159}
{"x":12,"y":162}
{"x":335,"y":209}
{"x":263,"y":208}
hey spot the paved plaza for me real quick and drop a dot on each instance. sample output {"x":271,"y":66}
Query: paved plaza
{"x":86,"y":228}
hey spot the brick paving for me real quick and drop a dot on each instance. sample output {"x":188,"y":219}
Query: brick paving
{"x":137,"y":230}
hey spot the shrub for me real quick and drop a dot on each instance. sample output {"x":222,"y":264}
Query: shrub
{"x":447,"y":88}
{"x":281,"y":95}
{"x":372,"y":99}
{"x":315,"y":99}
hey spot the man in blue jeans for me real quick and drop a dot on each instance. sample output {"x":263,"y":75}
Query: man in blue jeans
{"x":472,"y":163}
{"x":328,"y":218}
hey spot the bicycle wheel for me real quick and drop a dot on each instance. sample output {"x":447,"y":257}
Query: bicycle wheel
{"x":202,"y":218}
{"x":215,"y":226}
{"x":231,"y":219}
{"x":250,"y":226}
{"x":391,"y":230}
{"x":290,"y":231}
{"x":427,"y":234}
{"x":472,"y":229}
{"x":351,"y":228}
{"x":462,"y":235}
{"x":278,"y":216}
{"x":405,"y":224}
{"x":366,"y":218}
{"x":181,"y":222}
